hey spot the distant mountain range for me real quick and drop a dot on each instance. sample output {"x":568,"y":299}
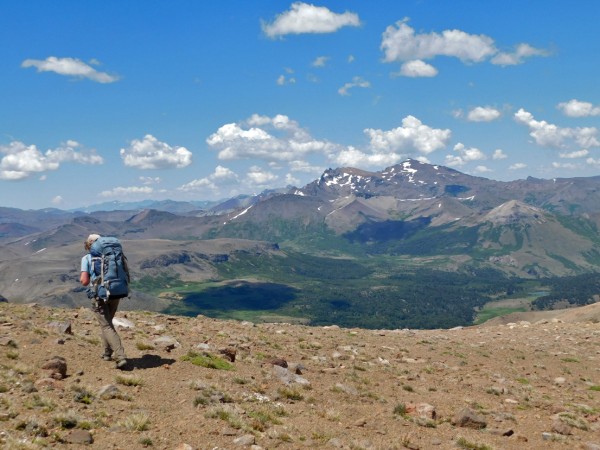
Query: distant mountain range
{"x":422,"y":214}
{"x":525,"y":227}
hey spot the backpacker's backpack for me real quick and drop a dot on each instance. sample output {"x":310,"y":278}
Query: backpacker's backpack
{"x":110,"y":268}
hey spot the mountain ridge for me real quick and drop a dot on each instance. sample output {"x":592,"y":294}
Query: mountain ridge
{"x":349,"y":236}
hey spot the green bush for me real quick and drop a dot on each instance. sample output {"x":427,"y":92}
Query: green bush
{"x":207,"y":360}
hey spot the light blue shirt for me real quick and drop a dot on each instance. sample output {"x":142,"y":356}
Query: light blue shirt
{"x":86,"y":266}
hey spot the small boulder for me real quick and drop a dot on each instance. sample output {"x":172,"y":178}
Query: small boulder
{"x":229,"y":353}
{"x":423,"y":410}
{"x":350,"y":390}
{"x":123,"y":323}
{"x":279,"y":362}
{"x":108,"y":392}
{"x":247,"y":439}
{"x":6,"y":341}
{"x":56,"y":367}
{"x":560,"y":427}
{"x":61,"y":327}
{"x":467,"y":418}
{"x":166,"y":343}
{"x":287,"y":377}
{"x":184,"y":446}
{"x":79,"y":437}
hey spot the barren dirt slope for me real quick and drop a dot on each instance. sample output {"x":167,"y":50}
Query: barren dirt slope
{"x":512,"y":386}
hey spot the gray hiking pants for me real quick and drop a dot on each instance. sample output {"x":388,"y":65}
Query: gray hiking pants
{"x":104,"y":312}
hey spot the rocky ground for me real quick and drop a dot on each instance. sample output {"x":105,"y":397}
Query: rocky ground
{"x":199,"y":383}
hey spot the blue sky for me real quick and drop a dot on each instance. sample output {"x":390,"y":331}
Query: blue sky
{"x":199,"y":100}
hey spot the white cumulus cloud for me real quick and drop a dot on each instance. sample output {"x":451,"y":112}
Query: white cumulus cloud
{"x":305,"y":166}
{"x":150,"y":180}
{"x":483,"y":114}
{"x":353,"y":157}
{"x":222,"y":176}
{"x":282,"y":80}
{"x":499,"y":154}
{"x":465,"y":155}
{"x":68,"y":152}
{"x":70,"y":67}
{"x":388,"y":147}
{"x":58,"y":200}
{"x":320,"y":61}
{"x":593,"y":162}
{"x":259,"y":177}
{"x":120,"y":191}
{"x":356,"y":82}
{"x":569,"y":166}
{"x":576,"y":108}
{"x":291,"y":180}
{"x":574,"y":155}
{"x":549,"y":135}
{"x":482,"y":169}
{"x":521,"y":52}
{"x":280,"y":141}
{"x":150,"y":153}
{"x":400,"y":43}
{"x":412,"y":135}
{"x":517,"y":166}
{"x":22,"y":161}
{"x":417,"y":68}
{"x":304,"y":18}
{"x":270,"y":139}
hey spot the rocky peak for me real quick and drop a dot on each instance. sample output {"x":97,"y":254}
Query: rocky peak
{"x":515,"y":211}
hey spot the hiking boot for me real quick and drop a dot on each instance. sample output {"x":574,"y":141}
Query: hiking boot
{"x":121,"y":364}
{"x":106,"y":356}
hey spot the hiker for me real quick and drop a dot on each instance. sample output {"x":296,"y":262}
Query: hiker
{"x":104,"y":308}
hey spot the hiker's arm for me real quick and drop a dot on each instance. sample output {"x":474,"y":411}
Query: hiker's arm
{"x":84,"y":275}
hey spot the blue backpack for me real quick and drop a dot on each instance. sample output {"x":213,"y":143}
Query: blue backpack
{"x":110,"y":269}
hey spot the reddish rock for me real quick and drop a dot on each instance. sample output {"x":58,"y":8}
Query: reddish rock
{"x":56,"y":367}
{"x":228,"y":353}
{"x":424,"y":410}
{"x":279,"y":362}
